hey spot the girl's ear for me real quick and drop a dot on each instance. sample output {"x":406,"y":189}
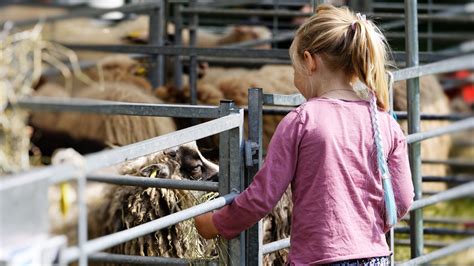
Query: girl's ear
{"x":310,"y":61}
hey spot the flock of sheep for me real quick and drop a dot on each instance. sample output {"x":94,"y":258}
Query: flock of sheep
{"x":121,"y":78}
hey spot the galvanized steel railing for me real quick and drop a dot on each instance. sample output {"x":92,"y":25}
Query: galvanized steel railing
{"x":227,"y":121}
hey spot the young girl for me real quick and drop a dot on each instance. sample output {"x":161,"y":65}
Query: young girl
{"x":326,"y":149}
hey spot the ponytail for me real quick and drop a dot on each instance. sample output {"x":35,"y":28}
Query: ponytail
{"x":348,"y":42}
{"x":369,"y":54}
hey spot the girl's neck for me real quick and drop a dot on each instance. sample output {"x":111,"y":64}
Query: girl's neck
{"x":337,"y":88}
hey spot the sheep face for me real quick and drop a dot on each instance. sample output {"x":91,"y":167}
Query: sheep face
{"x":192,"y":163}
{"x":180,"y":162}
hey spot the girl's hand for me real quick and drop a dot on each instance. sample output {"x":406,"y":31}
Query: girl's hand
{"x":205,"y":226}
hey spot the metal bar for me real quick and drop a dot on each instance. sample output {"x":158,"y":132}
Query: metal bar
{"x":90,"y":12}
{"x":83,"y":64}
{"x":244,"y":12}
{"x":283,"y":110}
{"x":71,"y":254}
{"x":232,"y":62}
{"x":453,"y":193}
{"x":434,"y":7}
{"x":275,"y":23}
{"x":448,"y":179}
{"x":276,"y":38}
{"x":431,"y":244}
{"x":178,"y":66}
{"x":454,"y":127}
{"x":116,"y":108}
{"x":448,"y":11}
{"x":136,"y":260}
{"x":436,"y":117}
{"x":255,"y":129}
{"x":236,"y":245}
{"x":155,"y":38}
{"x":55,"y":174}
{"x":230,"y":52}
{"x":224,"y":174}
{"x":288,"y":14}
{"x":437,"y":231}
{"x":449,"y":250}
{"x":413,"y":99}
{"x":154,"y":182}
{"x":434,"y":36}
{"x":106,"y":158}
{"x":449,"y":65}
{"x":285,"y":100}
{"x":446,"y":220}
{"x":82,"y":218}
{"x":451,"y":162}
{"x":277,"y":245}
{"x":99,"y":160}
{"x":193,"y":65}
{"x":429,"y":43}
{"x":185,"y":51}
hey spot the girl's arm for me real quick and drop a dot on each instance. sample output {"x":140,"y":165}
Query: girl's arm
{"x":266,"y":189}
{"x":399,"y":168}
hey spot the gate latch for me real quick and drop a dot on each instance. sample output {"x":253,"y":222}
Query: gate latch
{"x":251,"y":149}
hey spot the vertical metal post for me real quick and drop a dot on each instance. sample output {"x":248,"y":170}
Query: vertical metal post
{"x":316,"y":3}
{"x":193,"y":65}
{"x":361,"y":5}
{"x":255,"y":129}
{"x":82,"y":219}
{"x":429,"y":44}
{"x":178,"y":66}
{"x":275,"y":23}
{"x":236,"y":181}
{"x":230,"y":152}
{"x":155,"y":37}
{"x":413,"y":98}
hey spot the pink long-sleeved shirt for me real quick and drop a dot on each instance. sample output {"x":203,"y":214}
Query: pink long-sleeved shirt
{"x":325,"y":149}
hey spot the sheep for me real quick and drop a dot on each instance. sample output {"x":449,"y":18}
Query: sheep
{"x":110,"y":130}
{"x":121,"y":207}
{"x":115,"y":208}
{"x":205,"y":38}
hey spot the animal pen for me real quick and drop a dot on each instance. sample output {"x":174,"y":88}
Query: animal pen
{"x":239,"y":160}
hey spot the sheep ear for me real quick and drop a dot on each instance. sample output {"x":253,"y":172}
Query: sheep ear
{"x":171,"y":151}
{"x":155,"y":171}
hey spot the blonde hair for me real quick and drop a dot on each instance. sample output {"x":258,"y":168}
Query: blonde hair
{"x":346,"y":42}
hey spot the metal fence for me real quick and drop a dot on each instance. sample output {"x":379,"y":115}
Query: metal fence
{"x":247,"y":249}
{"x":227,"y":122}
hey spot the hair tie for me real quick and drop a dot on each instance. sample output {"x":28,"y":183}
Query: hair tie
{"x":359,"y":17}
{"x":353,"y":24}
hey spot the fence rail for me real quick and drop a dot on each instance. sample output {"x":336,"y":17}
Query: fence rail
{"x":102,"y":243}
